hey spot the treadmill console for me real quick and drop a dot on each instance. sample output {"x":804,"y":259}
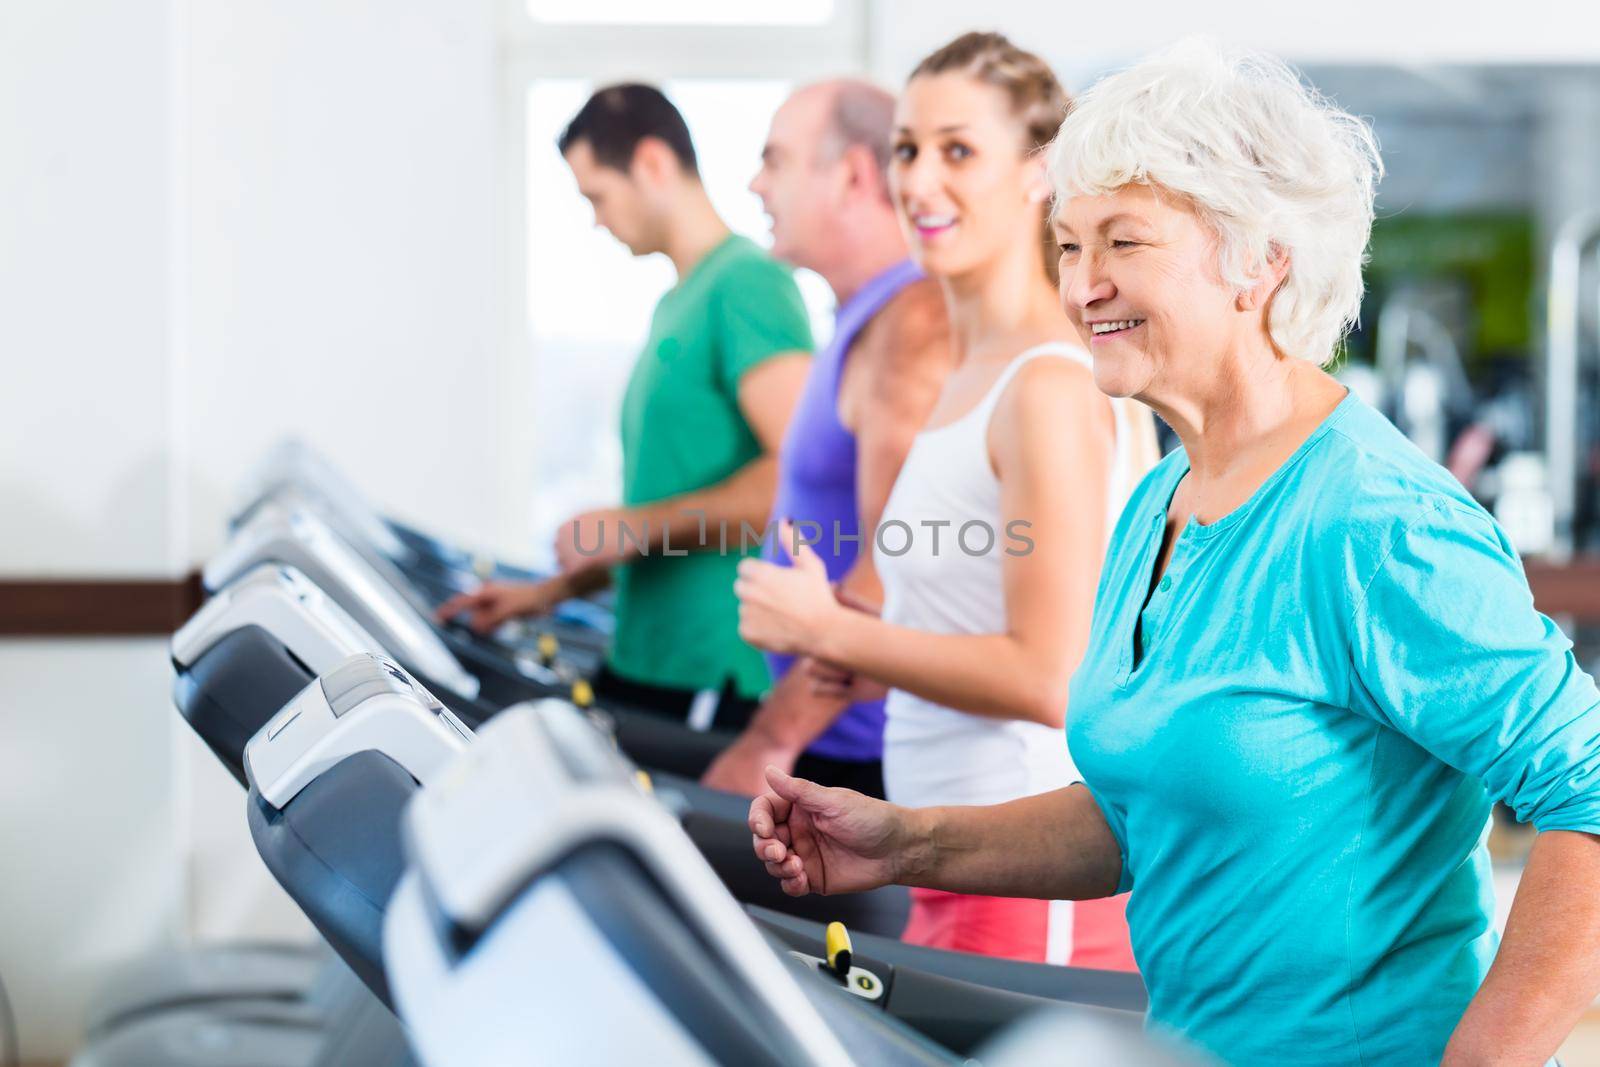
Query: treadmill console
{"x":288,"y":536}
{"x":286,"y":604}
{"x":366,"y":702}
{"x":293,"y":466}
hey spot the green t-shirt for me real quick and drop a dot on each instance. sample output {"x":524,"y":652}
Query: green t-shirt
{"x":682,"y":430}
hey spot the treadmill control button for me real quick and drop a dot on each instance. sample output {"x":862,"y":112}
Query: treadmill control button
{"x":857,"y":981}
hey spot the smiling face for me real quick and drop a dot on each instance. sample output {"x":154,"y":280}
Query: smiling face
{"x":962,"y":179}
{"x":1140,"y":280}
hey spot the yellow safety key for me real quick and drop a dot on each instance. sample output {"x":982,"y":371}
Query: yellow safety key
{"x":548,"y":647}
{"x":836,"y":942}
{"x":582,"y":693}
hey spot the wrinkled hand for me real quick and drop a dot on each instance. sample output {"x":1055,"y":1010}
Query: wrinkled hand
{"x":493,"y":603}
{"x":785,"y":609}
{"x":594,"y":539}
{"x":741,"y":767}
{"x":836,"y":683}
{"x":816,"y":839}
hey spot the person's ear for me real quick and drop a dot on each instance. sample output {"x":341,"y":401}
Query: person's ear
{"x":861,"y":170}
{"x":653,"y":161}
{"x":1268,"y":281}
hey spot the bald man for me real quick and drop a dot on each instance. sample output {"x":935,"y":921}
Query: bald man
{"x":823,"y":181}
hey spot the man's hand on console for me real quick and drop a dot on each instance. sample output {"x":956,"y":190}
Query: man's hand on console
{"x":493,"y":603}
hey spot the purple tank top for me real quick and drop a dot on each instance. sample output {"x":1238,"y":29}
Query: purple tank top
{"x":817,"y":484}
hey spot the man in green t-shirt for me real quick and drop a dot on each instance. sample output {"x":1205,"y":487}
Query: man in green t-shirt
{"x":703,"y":417}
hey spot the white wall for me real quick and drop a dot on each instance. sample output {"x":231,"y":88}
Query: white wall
{"x":88,"y":821}
{"x":230,"y":221}
{"x":221,"y":221}
{"x":89,"y":825}
{"x":1082,"y":39}
{"x":341,"y":249}
{"x":84,"y":316}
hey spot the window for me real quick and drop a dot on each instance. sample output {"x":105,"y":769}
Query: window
{"x":586,"y":301}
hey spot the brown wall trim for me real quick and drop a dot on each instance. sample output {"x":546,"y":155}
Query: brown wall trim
{"x":1567,"y":588}
{"x":97,"y":608}
{"x":120,"y":608}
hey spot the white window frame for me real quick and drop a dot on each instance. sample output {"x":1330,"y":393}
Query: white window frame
{"x":533,"y":51}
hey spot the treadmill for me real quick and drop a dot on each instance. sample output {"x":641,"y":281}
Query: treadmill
{"x":293,"y":475}
{"x":587,"y":929}
{"x":262,"y":638}
{"x":246,"y":653}
{"x":333,"y":840}
{"x":262,"y":641}
{"x":450,"y":661}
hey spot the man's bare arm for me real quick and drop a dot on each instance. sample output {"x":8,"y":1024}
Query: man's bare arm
{"x":892,"y":376}
{"x":891,"y":380}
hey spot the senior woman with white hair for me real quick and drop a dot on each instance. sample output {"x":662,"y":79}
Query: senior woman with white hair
{"x":1315,"y":660}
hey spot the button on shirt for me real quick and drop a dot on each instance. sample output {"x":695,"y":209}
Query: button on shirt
{"x":1332,"y":683}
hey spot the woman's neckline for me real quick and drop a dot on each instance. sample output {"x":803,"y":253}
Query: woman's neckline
{"x":1201,"y":530}
{"x":1026,"y":353}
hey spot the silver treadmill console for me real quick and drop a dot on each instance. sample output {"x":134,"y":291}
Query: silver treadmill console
{"x":366,"y":703}
{"x":286,"y":604}
{"x":292,"y":464}
{"x":296,"y":498}
{"x":299,"y":539}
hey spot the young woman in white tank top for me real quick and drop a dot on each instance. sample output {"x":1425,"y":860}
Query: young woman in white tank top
{"x":991,"y":540}
{"x":935,"y":754}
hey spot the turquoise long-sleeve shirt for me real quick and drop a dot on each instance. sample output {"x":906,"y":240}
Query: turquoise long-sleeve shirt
{"x":1336,"y":680}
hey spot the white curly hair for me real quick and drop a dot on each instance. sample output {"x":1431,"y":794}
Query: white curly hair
{"x":1267,"y":163}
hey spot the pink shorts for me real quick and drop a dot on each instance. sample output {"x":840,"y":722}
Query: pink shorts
{"x":1079,"y":933}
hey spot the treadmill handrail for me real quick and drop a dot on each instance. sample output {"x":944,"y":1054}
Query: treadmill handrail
{"x":293,"y":497}
{"x":473,"y":884}
{"x":300,"y":539}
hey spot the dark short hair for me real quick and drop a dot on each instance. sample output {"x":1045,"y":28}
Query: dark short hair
{"x":615,"y":119}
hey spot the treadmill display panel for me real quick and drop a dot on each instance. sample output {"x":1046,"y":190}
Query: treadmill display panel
{"x":346,"y":687}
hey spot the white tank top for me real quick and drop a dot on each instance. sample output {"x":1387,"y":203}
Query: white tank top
{"x":945,"y":581}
